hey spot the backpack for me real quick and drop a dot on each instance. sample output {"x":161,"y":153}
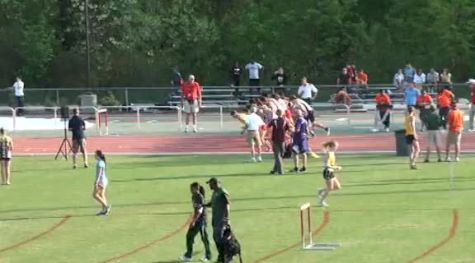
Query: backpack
{"x":231,"y":245}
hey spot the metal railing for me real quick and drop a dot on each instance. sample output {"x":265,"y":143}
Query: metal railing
{"x":129,"y":95}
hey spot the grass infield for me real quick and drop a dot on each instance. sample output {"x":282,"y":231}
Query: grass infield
{"x":384,"y":213}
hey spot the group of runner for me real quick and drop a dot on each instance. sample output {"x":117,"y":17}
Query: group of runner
{"x":282,"y":124}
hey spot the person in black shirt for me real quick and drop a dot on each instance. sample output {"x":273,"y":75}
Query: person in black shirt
{"x":280,"y":80}
{"x":198,"y":223}
{"x":236,"y":72}
{"x":77,"y":126}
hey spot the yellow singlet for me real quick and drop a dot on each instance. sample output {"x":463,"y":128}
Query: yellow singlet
{"x":331,"y":160}
{"x":409,"y":124}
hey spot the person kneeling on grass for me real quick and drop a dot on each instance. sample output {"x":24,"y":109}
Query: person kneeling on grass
{"x":332,"y":182}
{"x":198,"y":223}
{"x":101,"y":183}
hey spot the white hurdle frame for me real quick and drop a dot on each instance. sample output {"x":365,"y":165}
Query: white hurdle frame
{"x":307,"y":235}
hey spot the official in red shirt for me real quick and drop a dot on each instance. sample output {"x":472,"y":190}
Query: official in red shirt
{"x":472,"y":103}
{"x":191,"y":101}
{"x":383,"y":105}
{"x":280,"y":126}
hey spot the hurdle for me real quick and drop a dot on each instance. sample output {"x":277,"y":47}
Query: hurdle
{"x":306,"y":232}
{"x":102,"y":117}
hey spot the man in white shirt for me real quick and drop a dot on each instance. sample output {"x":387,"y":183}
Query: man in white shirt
{"x":254,"y":123}
{"x":307,"y":91}
{"x":254,"y":69}
{"x":419,"y":78}
{"x":18,"y":87}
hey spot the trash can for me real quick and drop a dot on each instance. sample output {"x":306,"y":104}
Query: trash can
{"x":401,"y":145}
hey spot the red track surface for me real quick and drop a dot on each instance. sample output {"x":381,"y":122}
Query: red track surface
{"x":193,"y":143}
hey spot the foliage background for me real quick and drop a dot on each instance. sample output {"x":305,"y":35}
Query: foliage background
{"x":137,"y":42}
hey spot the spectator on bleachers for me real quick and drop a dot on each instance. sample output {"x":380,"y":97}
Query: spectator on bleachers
{"x":446,"y":76}
{"x":254,"y":70}
{"x":342,"y":97}
{"x":420,"y":78}
{"x":344,"y":78}
{"x":398,"y":79}
{"x":383,"y":105}
{"x":236,"y":72}
{"x":352,"y":74}
{"x":424,"y":101}
{"x":472,"y":104}
{"x":362,"y":79}
{"x":410,"y":95}
{"x":280,"y":79}
{"x":409,"y":73}
{"x":444,"y":99}
{"x":432,"y":80}
{"x":176,"y":80}
{"x":307,"y":91}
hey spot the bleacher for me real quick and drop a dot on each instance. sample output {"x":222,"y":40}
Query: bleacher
{"x":363,"y":99}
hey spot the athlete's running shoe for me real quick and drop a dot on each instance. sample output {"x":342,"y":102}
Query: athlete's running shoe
{"x":185,"y":259}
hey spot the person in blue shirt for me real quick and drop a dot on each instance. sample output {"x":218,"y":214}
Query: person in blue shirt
{"x":410,"y":95}
{"x":101,"y":183}
{"x":409,"y":73}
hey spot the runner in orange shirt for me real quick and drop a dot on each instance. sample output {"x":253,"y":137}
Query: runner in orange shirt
{"x":423,"y":103}
{"x":454,"y":136}
{"x":383,"y":105}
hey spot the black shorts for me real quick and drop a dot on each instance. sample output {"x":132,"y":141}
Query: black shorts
{"x":328,"y":174}
{"x":410,"y":139}
{"x":310,"y":117}
{"x":5,"y":159}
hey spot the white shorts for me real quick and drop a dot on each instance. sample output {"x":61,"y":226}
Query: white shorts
{"x":191,"y":107}
{"x":454,"y":137}
{"x":434,"y":138}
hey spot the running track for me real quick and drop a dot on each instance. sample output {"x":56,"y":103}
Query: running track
{"x":196,"y":143}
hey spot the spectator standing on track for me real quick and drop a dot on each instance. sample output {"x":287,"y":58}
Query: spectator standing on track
{"x":18,"y":88}
{"x":409,"y":73}
{"x":254,"y":70}
{"x":411,"y":93}
{"x":176,"y":80}
{"x":280,"y":79}
{"x":77,"y":126}
{"x":236,"y":72}
{"x":6,"y":148}
{"x":432,"y":80}
{"x":307,"y":91}
{"x":411,"y":137}
{"x":455,"y":120}
{"x":198,"y":223}
{"x":383,"y":105}
{"x":420,"y":78}
{"x":444,"y":99}
{"x":220,"y":207}
{"x":253,"y":125}
{"x":398,"y":79}
{"x":424,"y":102}
{"x":434,"y":136}
{"x":472,"y":104}
{"x":280,"y":126}
{"x":191,"y":101}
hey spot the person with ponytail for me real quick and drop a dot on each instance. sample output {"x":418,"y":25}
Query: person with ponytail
{"x":6,"y":147}
{"x":197,"y":224}
{"x":100,"y":185}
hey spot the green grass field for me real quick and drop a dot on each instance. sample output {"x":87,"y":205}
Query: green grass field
{"x":384,"y":213}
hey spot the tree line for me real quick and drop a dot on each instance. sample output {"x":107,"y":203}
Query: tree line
{"x":138,"y":42}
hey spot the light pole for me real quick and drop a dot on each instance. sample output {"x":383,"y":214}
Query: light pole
{"x":88,"y":72}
